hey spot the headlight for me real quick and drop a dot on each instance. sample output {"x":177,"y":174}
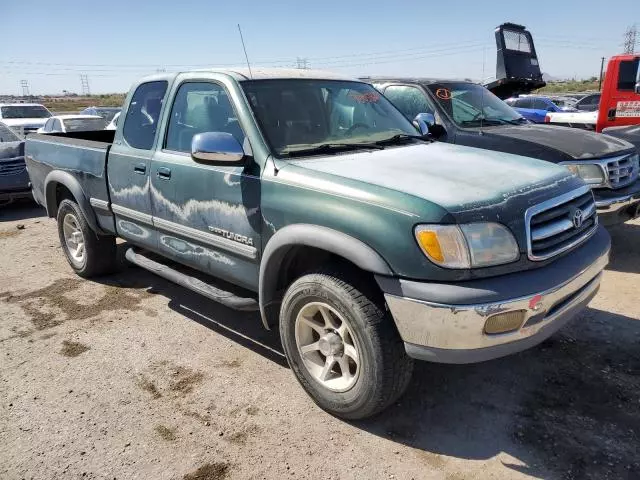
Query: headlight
{"x":467,"y":246}
{"x":589,"y":172}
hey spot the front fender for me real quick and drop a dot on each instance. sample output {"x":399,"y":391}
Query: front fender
{"x":327,"y":239}
{"x":58,"y":177}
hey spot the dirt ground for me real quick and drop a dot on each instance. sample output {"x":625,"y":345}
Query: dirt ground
{"x":130,"y":376}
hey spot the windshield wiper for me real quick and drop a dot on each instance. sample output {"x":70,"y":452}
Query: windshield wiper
{"x":402,"y":137}
{"x":485,"y":121}
{"x":332,"y":148}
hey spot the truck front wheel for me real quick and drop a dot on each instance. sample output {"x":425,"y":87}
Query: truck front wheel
{"x":342,"y":346}
{"x":88,"y":254}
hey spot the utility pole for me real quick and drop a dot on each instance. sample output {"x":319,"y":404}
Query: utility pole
{"x":84,"y":82}
{"x":302,"y":63}
{"x":601,"y":72}
{"x":25,"y":87}
{"x":630,"y":37}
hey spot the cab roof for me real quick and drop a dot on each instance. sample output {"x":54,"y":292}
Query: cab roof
{"x":414,"y":80}
{"x":242,"y":74}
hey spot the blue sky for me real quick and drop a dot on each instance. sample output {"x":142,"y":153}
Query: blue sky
{"x":50,"y":43}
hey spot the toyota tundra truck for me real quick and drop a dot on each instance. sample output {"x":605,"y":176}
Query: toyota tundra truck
{"x":310,"y":198}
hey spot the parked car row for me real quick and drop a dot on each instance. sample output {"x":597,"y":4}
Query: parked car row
{"x":618,"y":104}
{"x":368,"y":241}
{"x":466,"y":113}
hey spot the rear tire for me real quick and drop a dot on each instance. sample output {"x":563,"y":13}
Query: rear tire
{"x":88,"y":253}
{"x":342,"y":346}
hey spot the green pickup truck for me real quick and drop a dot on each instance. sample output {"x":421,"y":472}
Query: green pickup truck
{"x":310,"y":198}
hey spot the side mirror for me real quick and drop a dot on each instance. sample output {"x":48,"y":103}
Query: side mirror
{"x":424,"y":122}
{"x":218,"y":148}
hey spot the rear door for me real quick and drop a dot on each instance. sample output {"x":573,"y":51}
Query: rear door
{"x":206,"y":216}
{"x":129,"y":164}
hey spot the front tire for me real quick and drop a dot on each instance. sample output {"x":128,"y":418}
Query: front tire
{"x":342,"y":346}
{"x":88,"y":254}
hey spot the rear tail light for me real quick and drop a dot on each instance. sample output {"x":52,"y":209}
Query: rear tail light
{"x":547,"y":118}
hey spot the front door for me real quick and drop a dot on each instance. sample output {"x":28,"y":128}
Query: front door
{"x":129,"y":164}
{"x":206,"y":216}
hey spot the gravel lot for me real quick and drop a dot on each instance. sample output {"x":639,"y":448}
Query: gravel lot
{"x":130,"y":376}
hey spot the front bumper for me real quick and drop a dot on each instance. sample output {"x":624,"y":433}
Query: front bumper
{"x":618,"y":206}
{"x":451,"y":332}
{"x":11,"y":196}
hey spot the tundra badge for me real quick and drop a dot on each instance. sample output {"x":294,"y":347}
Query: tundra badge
{"x":232,"y":236}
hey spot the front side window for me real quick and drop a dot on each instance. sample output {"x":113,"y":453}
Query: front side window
{"x":540,"y":104}
{"x":472,"y":105}
{"x":141,"y":122}
{"x":84,"y":124}
{"x":629,"y":74}
{"x":200,"y":107}
{"x":409,"y":100}
{"x":24,"y":111}
{"x":524,"y":103}
{"x":297,"y":115}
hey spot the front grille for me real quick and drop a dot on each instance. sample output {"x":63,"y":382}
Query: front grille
{"x":623,"y":171}
{"x":560,"y":224}
{"x":13,"y":166}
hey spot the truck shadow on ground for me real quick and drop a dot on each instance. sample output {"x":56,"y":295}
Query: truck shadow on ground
{"x":625,"y":248}
{"x":567,"y":408}
{"x":22,"y":210}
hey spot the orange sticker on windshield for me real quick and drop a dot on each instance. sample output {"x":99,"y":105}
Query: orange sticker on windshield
{"x":443,"y":93}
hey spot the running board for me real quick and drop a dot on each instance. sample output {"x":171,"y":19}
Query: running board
{"x":227,"y":299}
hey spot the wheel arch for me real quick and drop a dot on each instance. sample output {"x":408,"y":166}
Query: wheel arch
{"x":52,"y":185}
{"x":285,"y":241}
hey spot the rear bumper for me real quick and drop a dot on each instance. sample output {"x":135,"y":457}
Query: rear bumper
{"x":545,"y":299}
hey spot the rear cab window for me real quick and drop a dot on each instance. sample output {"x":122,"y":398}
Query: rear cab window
{"x":629,"y":75}
{"x":143,"y":114}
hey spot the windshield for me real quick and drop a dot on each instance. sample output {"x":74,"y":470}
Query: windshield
{"x":25,"y":111}
{"x":468,"y":104}
{"x":8,"y":135}
{"x":299,"y":115}
{"x":84,"y":124}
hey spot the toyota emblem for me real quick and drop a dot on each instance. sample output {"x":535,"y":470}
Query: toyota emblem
{"x":578,"y":218}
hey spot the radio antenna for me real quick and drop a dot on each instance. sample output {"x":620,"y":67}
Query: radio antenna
{"x":482,"y":92}
{"x":245,"y":52}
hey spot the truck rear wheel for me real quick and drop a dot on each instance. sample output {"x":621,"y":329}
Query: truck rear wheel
{"x":342,"y":346}
{"x":88,"y":254}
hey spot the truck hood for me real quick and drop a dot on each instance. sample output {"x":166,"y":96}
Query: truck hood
{"x":569,"y":143}
{"x":456,"y":178}
{"x":25,"y":122}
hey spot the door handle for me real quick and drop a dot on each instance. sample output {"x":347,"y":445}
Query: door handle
{"x":140,"y":168}
{"x":164,"y":173}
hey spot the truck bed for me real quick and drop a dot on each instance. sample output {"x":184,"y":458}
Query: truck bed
{"x":82,"y":155}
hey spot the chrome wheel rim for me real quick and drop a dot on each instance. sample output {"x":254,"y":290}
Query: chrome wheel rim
{"x":73,"y":238}
{"x":327,"y":346}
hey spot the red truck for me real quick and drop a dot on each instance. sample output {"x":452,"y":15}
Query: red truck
{"x":619,"y":101}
